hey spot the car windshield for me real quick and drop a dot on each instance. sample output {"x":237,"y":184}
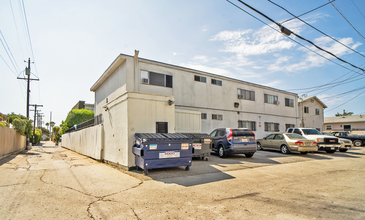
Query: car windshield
{"x":295,"y":136}
{"x":311,"y":132}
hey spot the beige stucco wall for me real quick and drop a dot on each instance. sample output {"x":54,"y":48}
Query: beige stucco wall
{"x":311,"y":120}
{"x":133,"y":113}
{"x":213,"y":99}
{"x":88,"y":141}
{"x":340,"y":126}
{"x":10,"y":141}
{"x":187,"y":121}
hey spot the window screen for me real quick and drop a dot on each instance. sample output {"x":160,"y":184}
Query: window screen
{"x":161,"y":127}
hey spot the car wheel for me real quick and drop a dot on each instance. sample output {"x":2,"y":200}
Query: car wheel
{"x":357,"y":143}
{"x":221,"y":151}
{"x":303,"y":152}
{"x":330,"y":151}
{"x":259,"y":147}
{"x":343,"y":150}
{"x":249,"y":155}
{"x":284,"y":149}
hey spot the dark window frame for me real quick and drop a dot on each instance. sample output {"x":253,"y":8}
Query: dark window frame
{"x":289,"y":102}
{"x":218,"y":117}
{"x":246,"y":94}
{"x":157,"y":79}
{"x":306,"y":109}
{"x":275,"y":101}
{"x":268,"y":127}
{"x":252,"y":124}
{"x":204,"y":116}
{"x":200,"y":79}
{"x":217,"y":82}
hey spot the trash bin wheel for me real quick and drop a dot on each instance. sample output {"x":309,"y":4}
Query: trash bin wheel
{"x":206,"y":159}
{"x":187,"y":168}
{"x":145,"y":172}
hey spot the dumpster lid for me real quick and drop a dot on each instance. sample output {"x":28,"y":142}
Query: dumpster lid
{"x":197,"y":135}
{"x":161,"y":136}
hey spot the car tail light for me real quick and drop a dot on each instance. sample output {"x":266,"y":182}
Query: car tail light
{"x":299,"y":143}
{"x":254,"y":136}
{"x":229,"y":135}
{"x":314,"y":144}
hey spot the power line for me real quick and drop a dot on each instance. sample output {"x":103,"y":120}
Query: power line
{"x":8,"y":65}
{"x":358,"y":9}
{"x":284,"y":30}
{"x":16,"y":27}
{"x":11,"y":57}
{"x":316,"y":28}
{"x":346,"y":102}
{"x":307,"y":12}
{"x":348,"y":21}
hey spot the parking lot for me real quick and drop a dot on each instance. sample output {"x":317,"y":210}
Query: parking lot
{"x":51,"y":182}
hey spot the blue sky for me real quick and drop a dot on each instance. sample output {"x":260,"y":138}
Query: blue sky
{"x":73,"y":42}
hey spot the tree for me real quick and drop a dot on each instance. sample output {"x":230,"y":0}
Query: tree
{"x":55,"y":130}
{"x":77,"y":116}
{"x":23,"y":126}
{"x":344,"y":113}
{"x":63,"y":127}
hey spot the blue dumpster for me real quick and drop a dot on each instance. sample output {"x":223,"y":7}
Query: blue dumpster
{"x":161,"y":150}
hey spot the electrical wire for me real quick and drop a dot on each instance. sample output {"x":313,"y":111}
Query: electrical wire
{"x":307,"y":12}
{"x":316,"y":28}
{"x":283,"y":34}
{"x":7,"y":50}
{"x":358,"y":9}
{"x":8,"y":65}
{"x":16,"y":27}
{"x":345,"y":102}
{"x":348,"y":21}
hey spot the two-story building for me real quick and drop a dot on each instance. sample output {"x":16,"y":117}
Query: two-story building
{"x":137,"y":95}
{"x":310,"y":112}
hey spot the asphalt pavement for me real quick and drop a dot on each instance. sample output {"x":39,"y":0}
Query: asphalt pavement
{"x":50,"y":182}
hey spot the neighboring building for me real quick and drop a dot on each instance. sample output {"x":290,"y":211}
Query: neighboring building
{"x":310,"y":112}
{"x":345,"y":123}
{"x":140,"y":95}
{"x":83,"y":105}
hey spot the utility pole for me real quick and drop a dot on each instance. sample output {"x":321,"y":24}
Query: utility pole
{"x":27,"y":72}
{"x":35,"y":117}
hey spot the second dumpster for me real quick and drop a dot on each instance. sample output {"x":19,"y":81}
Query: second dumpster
{"x":161,"y":150}
{"x":202,"y":144}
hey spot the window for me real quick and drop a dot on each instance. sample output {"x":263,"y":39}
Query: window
{"x":217,"y":117}
{"x":271,"y":136}
{"x":289,"y":102}
{"x":204,"y":115}
{"x":247,"y":124}
{"x":347,"y":127}
{"x":245,"y":94}
{"x":318,"y":129}
{"x":306,"y":109}
{"x":217,"y":82}
{"x":156,"y":79}
{"x":328,"y":127}
{"x":200,"y":79}
{"x":297,"y":131}
{"x":161,"y":127}
{"x":279,"y":137}
{"x":271,"y":99}
{"x":317,"y":111}
{"x":289,"y":126}
{"x":272,"y":127}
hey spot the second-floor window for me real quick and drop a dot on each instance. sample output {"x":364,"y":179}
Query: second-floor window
{"x":245,"y":94}
{"x":156,"y":79}
{"x":317,"y":111}
{"x":271,"y":99}
{"x":200,"y":79}
{"x":306,"y":109}
{"x":247,"y":124}
{"x":217,"y":82}
{"x":289,"y":102}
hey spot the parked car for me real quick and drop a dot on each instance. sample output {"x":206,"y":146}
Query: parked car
{"x":345,"y":143}
{"x":286,"y":143}
{"x":324,"y":142}
{"x":228,"y":141}
{"x":357,"y":140}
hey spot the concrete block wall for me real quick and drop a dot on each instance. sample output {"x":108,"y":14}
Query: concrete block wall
{"x":10,"y":141}
{"x":88,"y":142}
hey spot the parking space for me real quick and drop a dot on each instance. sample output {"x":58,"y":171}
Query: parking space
{"x":262,"y":158}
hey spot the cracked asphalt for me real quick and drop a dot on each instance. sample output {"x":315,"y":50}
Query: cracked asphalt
{"x":50,"y":182}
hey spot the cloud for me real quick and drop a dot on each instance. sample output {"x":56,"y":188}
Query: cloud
{"x":201,"y":58}
{"x":273,"y":83}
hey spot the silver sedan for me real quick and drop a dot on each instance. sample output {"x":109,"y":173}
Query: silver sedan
{"x":286,"y":142}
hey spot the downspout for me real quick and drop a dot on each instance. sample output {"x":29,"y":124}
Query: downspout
{"x":136,"y":81}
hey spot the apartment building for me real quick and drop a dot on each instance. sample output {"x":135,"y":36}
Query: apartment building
{"x":141,"y":95}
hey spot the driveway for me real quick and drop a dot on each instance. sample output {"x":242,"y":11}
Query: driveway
{"x":51,"y":182}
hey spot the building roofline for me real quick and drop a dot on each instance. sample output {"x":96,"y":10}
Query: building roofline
{"x":311,"y":97}
{"x":108,"y":71}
